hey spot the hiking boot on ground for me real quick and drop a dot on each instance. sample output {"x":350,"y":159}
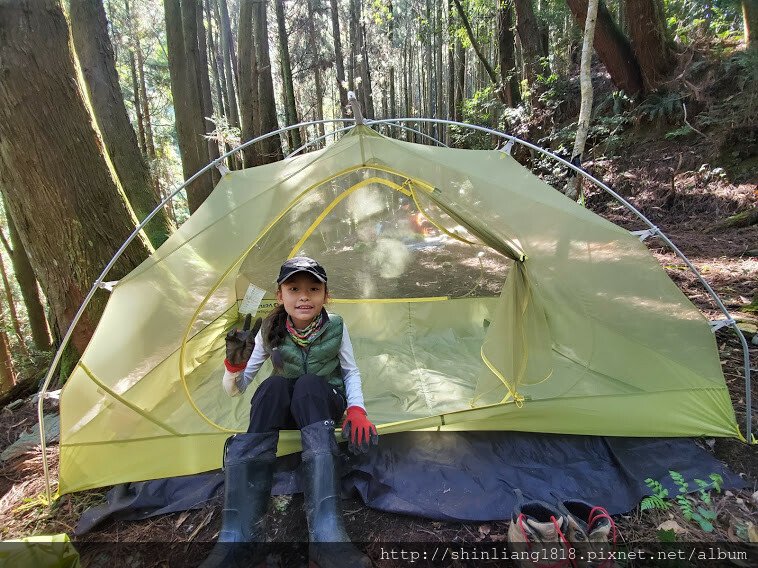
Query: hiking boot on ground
{"x":588,"y":531}
{"x":537,"y":535}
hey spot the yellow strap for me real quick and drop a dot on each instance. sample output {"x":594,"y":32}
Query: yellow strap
{"x":336,"y":201}
{"x":517,"y":398}
{"x":441,"y":228}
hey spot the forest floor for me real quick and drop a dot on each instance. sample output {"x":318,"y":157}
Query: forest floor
{"x":728,"y":260}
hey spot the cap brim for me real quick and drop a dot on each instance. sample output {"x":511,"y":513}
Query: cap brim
{"x":313,"y":273}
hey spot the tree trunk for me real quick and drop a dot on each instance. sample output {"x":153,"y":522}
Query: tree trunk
{"x":206,"y":102}
{"x":181,"y":39}
{"x":248,"y":84}
{"x":315,"y":53}
{"x":271,"y":147}
{"x":507,"y":55}
{"x":339,"y":59}
{"x":27,"y":283}
{"x":750,"y":22}
{"x":140,"y":65}
{"x":93,"y":47}
{"x":531,"y":46}
{"x":460,"y":79}
{"x":574,"y":186}
{"x":137,"y":105}
{"x":12,"y":309}
{"x":290,"y":109}
{"x":479,"y":53}
{"x":212,"y":54}
{"x":229,"y":60}
{"x":7,"y":370}
{"x":58,"y":186}
{"x":612,"y":48}
{"x":368,"y":92}
{"x":647,"y":33}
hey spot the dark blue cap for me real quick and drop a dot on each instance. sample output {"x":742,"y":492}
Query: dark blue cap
{"x":301,"y":264}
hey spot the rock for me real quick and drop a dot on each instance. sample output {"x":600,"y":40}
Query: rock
{"x":30,"y":438}
{"x":671,"y":526}
{"x":754,"y":498}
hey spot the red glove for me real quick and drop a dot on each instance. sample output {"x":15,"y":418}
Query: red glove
{"x":359,"y":431}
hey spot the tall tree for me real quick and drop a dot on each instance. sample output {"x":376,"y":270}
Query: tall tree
{"x":585,"y":112}
{"x":531,"y":47}
{"x":651,"y":46}
{"x":479,"y":51}
{"x":7,"y":370}
{"x":339,"y":59}
{"x":140,"y":68}
{"x":93,"y":48}
{"x":206,"y":101}
{"x":315,"y":51}
{"x":229,"y":60}
{"x":12,"y":309}
{"x":506,"y":45}
{"x":27,"y":283}
{"x":181,"y":37}
{"x":271,"y":147}
{"x":59,"y":189}
{"x":290,"y":110}
{"x":248,"y":84}
{"x":612,"y":48}
{"x":750,"y":22}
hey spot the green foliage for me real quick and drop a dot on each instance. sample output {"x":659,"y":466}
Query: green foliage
{"x":704,"y":515}
{"x":660,"y":108}
{"x":689,"y":20}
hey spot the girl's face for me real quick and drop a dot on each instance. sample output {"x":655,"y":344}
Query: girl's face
{"x":303,"y":297}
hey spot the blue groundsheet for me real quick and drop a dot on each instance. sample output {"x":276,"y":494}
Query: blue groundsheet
{"x":457,"y":476}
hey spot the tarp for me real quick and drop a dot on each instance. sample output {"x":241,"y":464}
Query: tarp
{"x":527,"y":312}
{"x":459,"y":476}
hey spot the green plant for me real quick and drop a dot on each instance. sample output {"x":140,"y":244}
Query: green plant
{"x":660,"y":107}
{"x":703,"y":515}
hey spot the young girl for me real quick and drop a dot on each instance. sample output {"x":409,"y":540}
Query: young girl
{"x":315,"y":382}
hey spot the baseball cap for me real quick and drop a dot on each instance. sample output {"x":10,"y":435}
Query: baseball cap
{"x":301,"y":264}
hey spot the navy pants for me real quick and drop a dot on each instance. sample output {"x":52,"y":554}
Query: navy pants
{"x":284,"y":404}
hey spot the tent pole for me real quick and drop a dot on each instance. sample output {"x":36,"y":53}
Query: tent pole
{"x":654,"y":228}
{"x":104,"y":273}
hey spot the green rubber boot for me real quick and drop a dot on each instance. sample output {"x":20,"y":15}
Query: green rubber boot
{"x":330,"y":544}
{"x":249,"y":468}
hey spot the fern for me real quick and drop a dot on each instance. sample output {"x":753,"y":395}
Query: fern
{"x":657,"y":499}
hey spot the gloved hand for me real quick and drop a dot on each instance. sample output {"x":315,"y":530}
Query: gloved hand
{"x":359,"y":431}
{"x":240,"y":345}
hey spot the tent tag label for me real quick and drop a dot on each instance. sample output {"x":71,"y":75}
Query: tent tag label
{"x":252,"y":299}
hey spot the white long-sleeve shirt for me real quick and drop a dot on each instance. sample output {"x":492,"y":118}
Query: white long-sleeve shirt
{"x":350,"y":373}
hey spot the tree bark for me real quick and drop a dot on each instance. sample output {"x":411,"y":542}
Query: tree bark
{"x":315,"y":53}
{"x":290,"y":108}
{"x":499,"y":92}
{"x":339,"y":60}
{"x":230,"y":62}
{"x":140,"y":66}
{"x":27,"y":283}
{"x":460,"y":79}
{"x":271,"y":147}
{"x":59,"y":189}
{"x":647,"y":34}
{"x":7,"y":370}
{"x":248,"y":84}
{"x":93,"y":47}
{"x":750,"y":22}
{"x":506,"y":42}
{"x":368,"y":96}
{"x":206,"y":101}
{"x":531,"y":46}
{"x":182,"y":59}
{"x":612,"y":48}
{"x":574,"y":186}
{"x":137,"y":105}
{"x":12,"y":309}
{"x":216,"y":64}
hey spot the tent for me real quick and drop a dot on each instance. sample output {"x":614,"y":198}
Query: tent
{"x":477,"y":298}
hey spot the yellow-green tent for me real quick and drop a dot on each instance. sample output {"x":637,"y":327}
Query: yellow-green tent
{"x":477,"y":297}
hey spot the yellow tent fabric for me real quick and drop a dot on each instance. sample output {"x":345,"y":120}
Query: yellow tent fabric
{"x":477,"y":298}
{"x":53,"y":551}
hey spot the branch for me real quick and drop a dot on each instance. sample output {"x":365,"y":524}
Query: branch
{"x":6,"y":245}
{"x":476,"y":47}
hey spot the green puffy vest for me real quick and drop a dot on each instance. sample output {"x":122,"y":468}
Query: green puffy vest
{"x":320,"y":358}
